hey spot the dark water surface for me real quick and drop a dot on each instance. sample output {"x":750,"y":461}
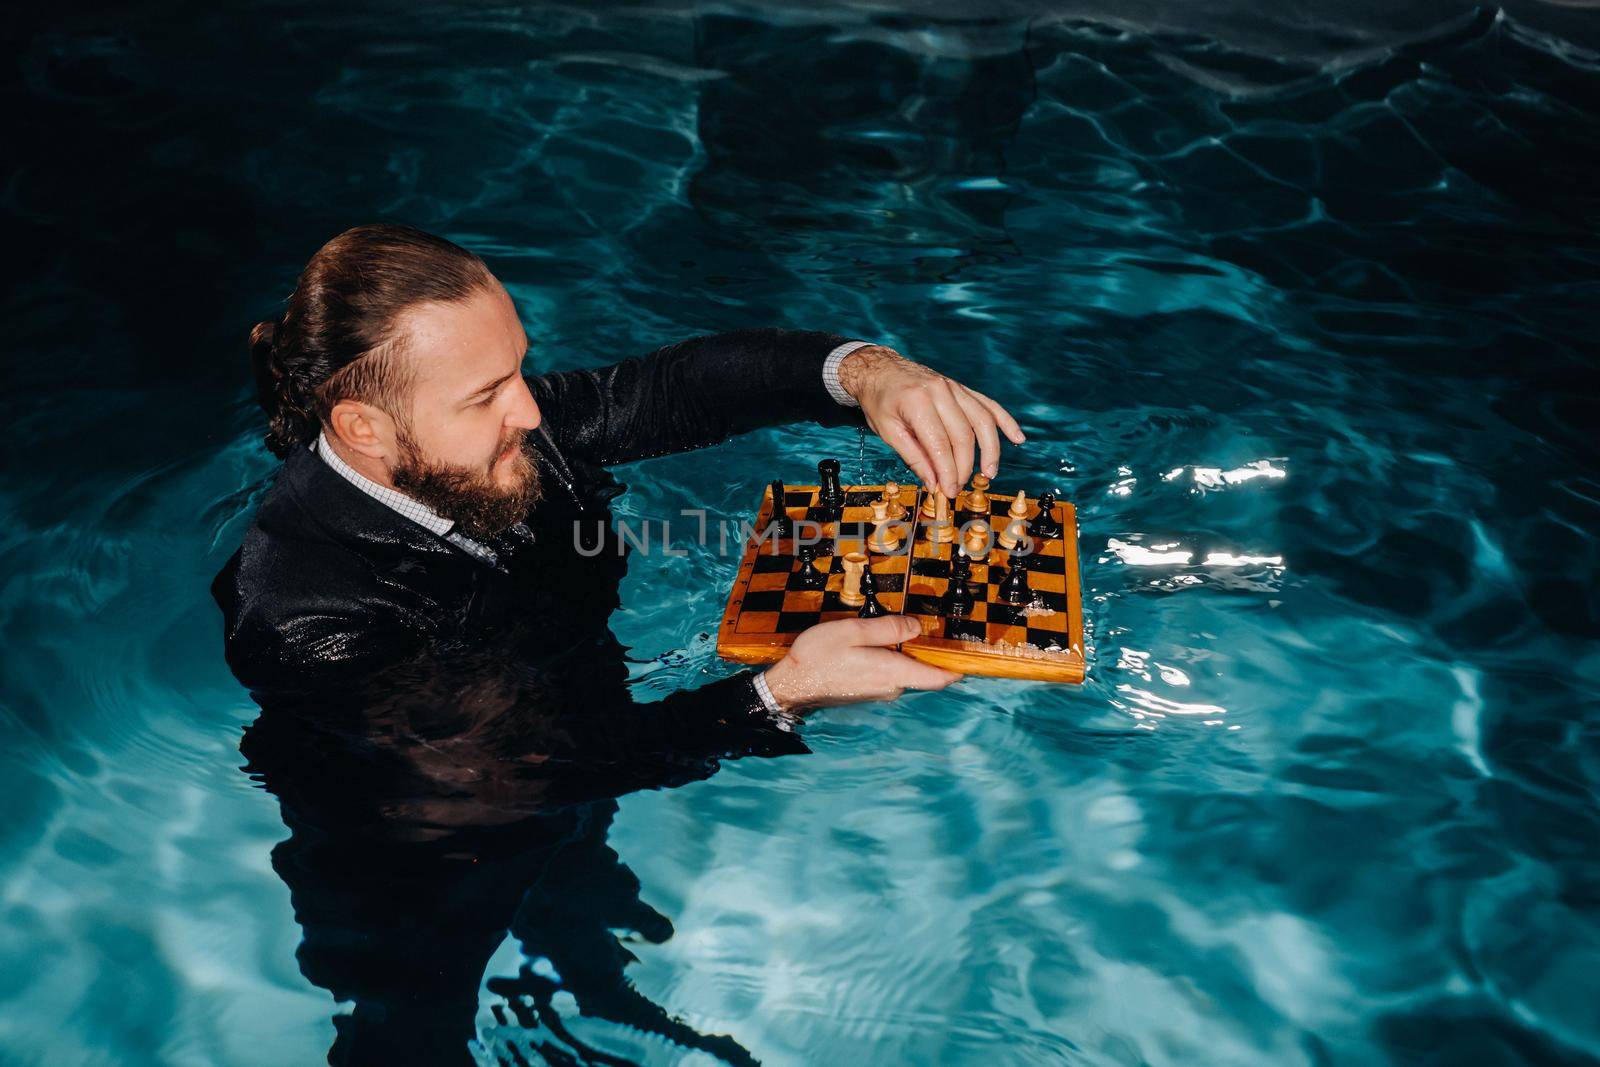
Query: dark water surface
{"x":1297,"y":304}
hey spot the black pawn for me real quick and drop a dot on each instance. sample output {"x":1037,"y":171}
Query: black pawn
{"x":1014,"y":586}
{"x":1045,"y":524}
{"x":831,"y":495}
{"x":782,"y":525}
{"x":958,"y":598}
{"x":810,"y":577}
{"x":870,"y":608}
{"x":961,"y":568}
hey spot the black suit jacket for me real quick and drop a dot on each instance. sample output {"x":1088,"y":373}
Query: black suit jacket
{"x":329,"y":585}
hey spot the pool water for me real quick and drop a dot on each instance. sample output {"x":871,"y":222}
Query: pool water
{"x":1299,"y":311}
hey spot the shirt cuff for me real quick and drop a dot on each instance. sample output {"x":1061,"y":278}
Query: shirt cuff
{"x":830,"y":372}
{"x":784,"y":720}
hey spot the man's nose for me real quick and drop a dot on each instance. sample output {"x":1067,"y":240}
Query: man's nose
{"x":524,"y":414}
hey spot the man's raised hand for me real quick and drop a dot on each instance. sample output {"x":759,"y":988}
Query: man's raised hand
{"x":934,"y":422}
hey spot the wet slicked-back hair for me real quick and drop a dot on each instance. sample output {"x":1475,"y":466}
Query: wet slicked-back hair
{"x":339,"y":339}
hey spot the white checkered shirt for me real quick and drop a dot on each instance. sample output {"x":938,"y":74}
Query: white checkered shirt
{"x":830,"y":372}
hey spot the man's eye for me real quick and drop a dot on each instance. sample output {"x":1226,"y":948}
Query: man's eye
{"x":485,"y":402}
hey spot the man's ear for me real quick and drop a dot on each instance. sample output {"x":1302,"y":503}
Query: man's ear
{"x":362,"y":428}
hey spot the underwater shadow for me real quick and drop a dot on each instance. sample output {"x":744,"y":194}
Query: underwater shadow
{"x":442,"y":805}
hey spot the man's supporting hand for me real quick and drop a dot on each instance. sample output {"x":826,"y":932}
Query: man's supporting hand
{"x":847,"y":660}
{"x":934,"y":422}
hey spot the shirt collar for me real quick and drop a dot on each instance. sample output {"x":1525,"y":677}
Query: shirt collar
{"x":414,"y":510}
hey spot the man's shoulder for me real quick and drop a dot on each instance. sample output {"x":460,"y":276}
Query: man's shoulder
{"x":300,"y":593}
{"x":287,"y":549}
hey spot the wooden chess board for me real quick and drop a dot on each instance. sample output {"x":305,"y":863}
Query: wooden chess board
{"x":771,"y":604}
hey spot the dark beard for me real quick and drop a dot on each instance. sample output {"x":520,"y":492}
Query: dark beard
{"x":469,"y":496}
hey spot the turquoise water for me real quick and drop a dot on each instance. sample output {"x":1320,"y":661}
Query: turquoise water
{"x":1299,"y":312}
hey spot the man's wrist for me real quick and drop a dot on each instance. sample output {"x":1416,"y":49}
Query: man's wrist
{"x":830,"y":373}
{"x":781,"y":716}
{"x":858,"y":367}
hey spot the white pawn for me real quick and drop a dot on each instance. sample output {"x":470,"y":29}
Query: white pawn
{"x":978,"y":497}
{"x":891,"y":495}
{"x":940,"y":530}
{"x":854,"y":564}
{"x":885,"y":538}
{"x":1018,"y":512}
{"x":976,"y":542}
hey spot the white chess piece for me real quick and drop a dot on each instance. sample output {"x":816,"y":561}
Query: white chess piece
{"x":1018,"y":514}
{"x":885,"y":538}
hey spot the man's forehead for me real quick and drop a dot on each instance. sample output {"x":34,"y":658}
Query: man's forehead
{"x":460,"y":341}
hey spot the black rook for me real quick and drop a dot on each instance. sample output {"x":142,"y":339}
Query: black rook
{"x":832,"y":493}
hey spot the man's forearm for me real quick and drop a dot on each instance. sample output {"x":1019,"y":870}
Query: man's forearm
{"x":693,"y":394}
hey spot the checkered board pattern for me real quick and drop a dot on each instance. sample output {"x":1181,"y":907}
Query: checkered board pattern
{"x":770,"y":604}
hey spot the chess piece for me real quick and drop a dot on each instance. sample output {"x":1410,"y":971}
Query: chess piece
{"x":885,"y":538}
{"x":961,"y":568}
{"x":1018,"y":516}
{"x":870,"y":608}
{"x":976,"y":543}
{"x":854,"y":564}
{"x":958,"y":597}
{"x":928,"y":505}
{"x":978,"y":497}
{"x":941,"y":530}
{"x":831,"y":494}
{"x":1045,"y":524}
{"x":1014,"y":586}
{"x":784,"y":525}
{"x":891,"y":495}
{"x":810,"y":576}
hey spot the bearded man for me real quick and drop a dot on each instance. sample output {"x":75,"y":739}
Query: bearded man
{"x":430,"y":491}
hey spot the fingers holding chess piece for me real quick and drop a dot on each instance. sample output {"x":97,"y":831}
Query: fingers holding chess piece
{"x":1017,"y":516}
{"x":885,"y":534}
{"x":870,"y":608}
{"x":855,"y":563}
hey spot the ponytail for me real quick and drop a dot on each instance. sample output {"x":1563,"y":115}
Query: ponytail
{"x":291,"y":422}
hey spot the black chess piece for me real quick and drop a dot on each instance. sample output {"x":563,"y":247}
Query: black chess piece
{"x":1014,"y":586}
{"x":810,"y":576}
{"x":831,"y":495}
{"x":870,"y":608}
{"x":958,"y":598}
{"x":960,"y":568}
{"x":782,"y":524}
{"x":1045,"y":524}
